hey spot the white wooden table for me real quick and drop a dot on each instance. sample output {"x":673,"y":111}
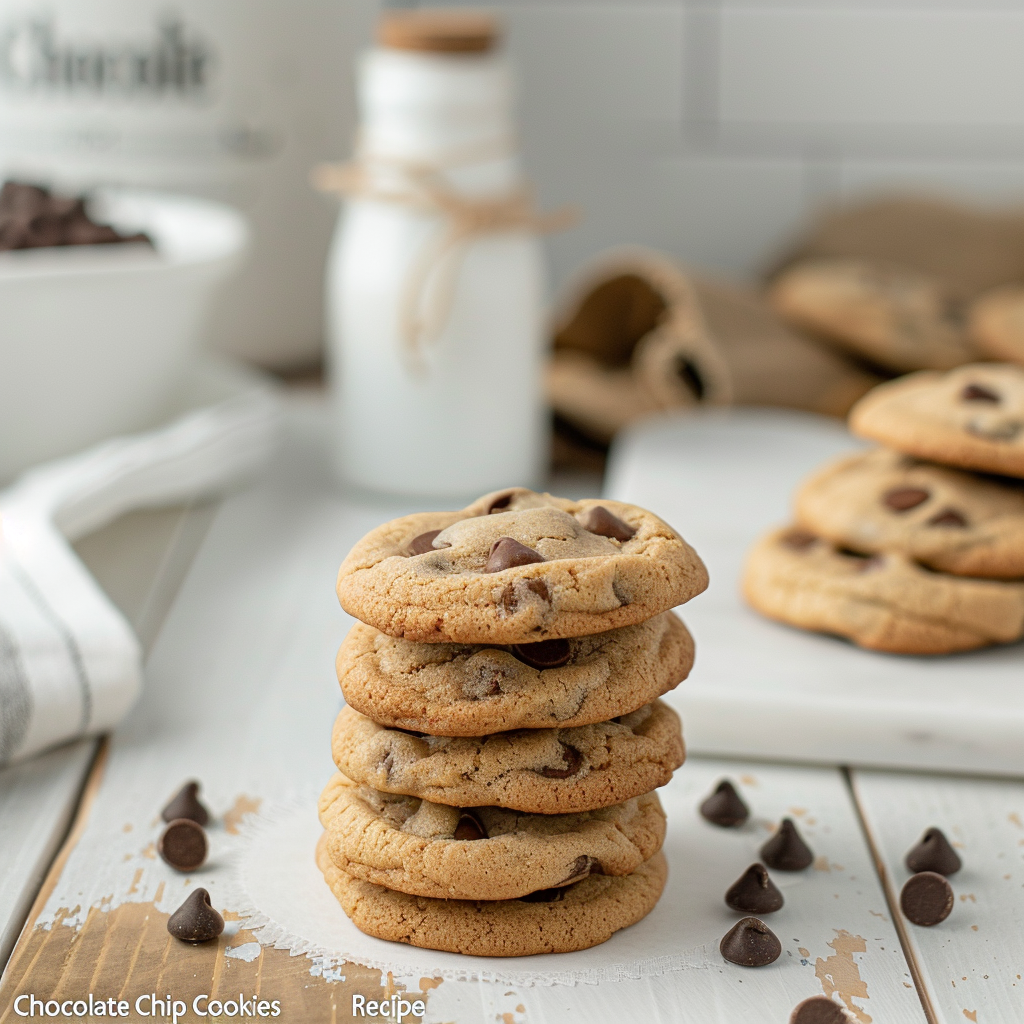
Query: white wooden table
{"x":241,"y":694}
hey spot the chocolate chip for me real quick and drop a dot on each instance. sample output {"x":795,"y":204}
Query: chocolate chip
{"x":500,"y":503}
{"x":818,"y":1010}
{"x":725,"y":807}
{"x":185,"y":804}
{"x":540,"y":588}
{"x":933,"y":853}
{"x":901,"y":499}
{"x":543,"y":653}
{"x":196,"y":920}
{"x":423,"y":543}
{"x":507,"y":553}
{"x":581,"y":868}
{"x":979,"y":393}
{"x":544,"y":896}
{"x":926,"y":899}
{"x":948,"y":517}
{"x":574,"y":762}
{"x":182,"y":844}
{"x":786,"y":850}
{"x":750,"y":943}
{"x":470,"y":828}
{"x":798,"y":540}
{"x":754,"y":892}
{"x":600,"y":521}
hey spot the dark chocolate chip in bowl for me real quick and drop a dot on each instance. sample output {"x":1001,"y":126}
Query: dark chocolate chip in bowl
{"x":979,"y":393}
{"x":196,"y":920}
{"x":933,"y":853}
{"x":818,"y":1010}
{"x":725,"y":807}
{"x":182,"y":844}
{"x":544,"y":653}
{"x":948,"y":517}
{"x":754,"y":892}
{"x":573,"y":763}
{"x":902,"y":499}
{"x":600,"y":521}
{"x":786,"y":850}
{"x":507,"y":553}
{"x":798,"y":540}
{"x":469,"y":828}
{"x":423,"y":543}
{"x":185,"y":804}
{"x":750,"y":943}
{"x":926,"y":899}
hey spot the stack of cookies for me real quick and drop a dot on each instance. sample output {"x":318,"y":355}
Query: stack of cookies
{"x":916,"y":547}
{"x":503,"y":735}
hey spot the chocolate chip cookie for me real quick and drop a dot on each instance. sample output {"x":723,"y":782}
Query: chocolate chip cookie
{"x":971,"y":417}
{"x":540,"y":771}
{"x":486,"y":853}
{"x":515,"y":567}
{"x":944,"y":518}
{"x":895,"y":317}
{"x":883,"y":602}
{"x":550,"y":921}
{"x":996,"y":323}
{"x":470,"y":690}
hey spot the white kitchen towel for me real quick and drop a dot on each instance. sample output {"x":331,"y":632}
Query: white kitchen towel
{"x":70,"y":664}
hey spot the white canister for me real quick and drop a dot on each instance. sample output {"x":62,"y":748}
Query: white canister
{"x":435,"y":284}
{"x":231,"y":100}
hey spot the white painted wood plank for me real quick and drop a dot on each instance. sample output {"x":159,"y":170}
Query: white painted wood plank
{"x":973,"y":961}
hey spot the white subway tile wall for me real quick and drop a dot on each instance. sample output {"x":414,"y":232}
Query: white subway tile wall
{"x":713,"y":128}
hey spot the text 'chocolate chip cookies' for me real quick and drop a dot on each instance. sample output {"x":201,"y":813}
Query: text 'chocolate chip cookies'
{"x":504,"y":736}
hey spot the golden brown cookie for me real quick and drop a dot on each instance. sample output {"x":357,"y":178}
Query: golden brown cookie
{"x":946,"y":519}
{"x":552,"y":921}
{"x":996,"y":323}
{"x":471,"y":690}
{"x":541,"y":771}
{"x":884,"y":602}
{"x":971,"y":417}
{"x":515,"y":567}
{"x":487,"y":853}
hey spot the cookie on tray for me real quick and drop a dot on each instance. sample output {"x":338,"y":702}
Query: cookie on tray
{"x":487,"y":853}
{"x":540,"y":771}
{"x":996,"y":323}
{"x":517,"y":566}
{"x":894,"y":317}
{"x":472,"y":690}
{"x":558,"y":920}
{"x":884,"y":602}
{"x":971,"y":417}
{"x":944,"y":518}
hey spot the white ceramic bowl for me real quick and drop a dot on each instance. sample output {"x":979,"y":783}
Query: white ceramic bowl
{"x":99,"y":340}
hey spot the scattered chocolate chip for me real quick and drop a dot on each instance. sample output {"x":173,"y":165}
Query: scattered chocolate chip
{"x":470,"y":828}
{"x":182,"y":844}
{"x":979,"y":393}
{"x":933,"y":853}
{"x":1006,"y":430}
{"x":423,"y":543}
{"x":754,"y":892}
{"x":798,"y":540}
{"x":786,"y":850}
{"x":600,"y":521}
{"x":581,"y":868}
{"x":500,"y":503}
{"x":573,"y":760}
{"x":926,"y":899}
{"x":818,"y":1010}
{"x":507,"y":553}
{"x":902,"y":499}
{"x":948,"y":517}
{"x":185,"y":804}
{"x":725,"y":807}
{"x":543,"y":653}
{"x":196,"y":920}
{"x":750,"y":943}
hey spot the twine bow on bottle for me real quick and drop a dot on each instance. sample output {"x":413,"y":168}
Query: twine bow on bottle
{"x":429,"y":291}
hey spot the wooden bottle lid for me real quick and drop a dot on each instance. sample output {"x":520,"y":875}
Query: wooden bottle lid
{"x":438,"y":31}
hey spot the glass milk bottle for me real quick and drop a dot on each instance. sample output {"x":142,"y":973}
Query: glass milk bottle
{"x":435,"y":284}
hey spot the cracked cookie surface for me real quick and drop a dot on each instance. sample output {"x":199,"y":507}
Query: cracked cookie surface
{"x":517,"y":566}
{"x":971,"y":417}
{"x":944,"y":518}
{"x":541,"y":771}
{"x":472,"y":690}
{"x":560,"y":921}
{"x":488,"y":853}
{"x":883,"y":602}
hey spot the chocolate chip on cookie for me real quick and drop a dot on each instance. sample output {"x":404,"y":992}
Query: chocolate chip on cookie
{"x":469,"y":828}
{"x":900,"y":499}
{"x":423,"y":543}
{"x":543,"y":653}
{"x":949,"y":517}
{"x":599,"y":520}
{"x":507,"y":553}
{"x":979,"y":393}
{"x":573,"y":763}
{"x":799,"y":540}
